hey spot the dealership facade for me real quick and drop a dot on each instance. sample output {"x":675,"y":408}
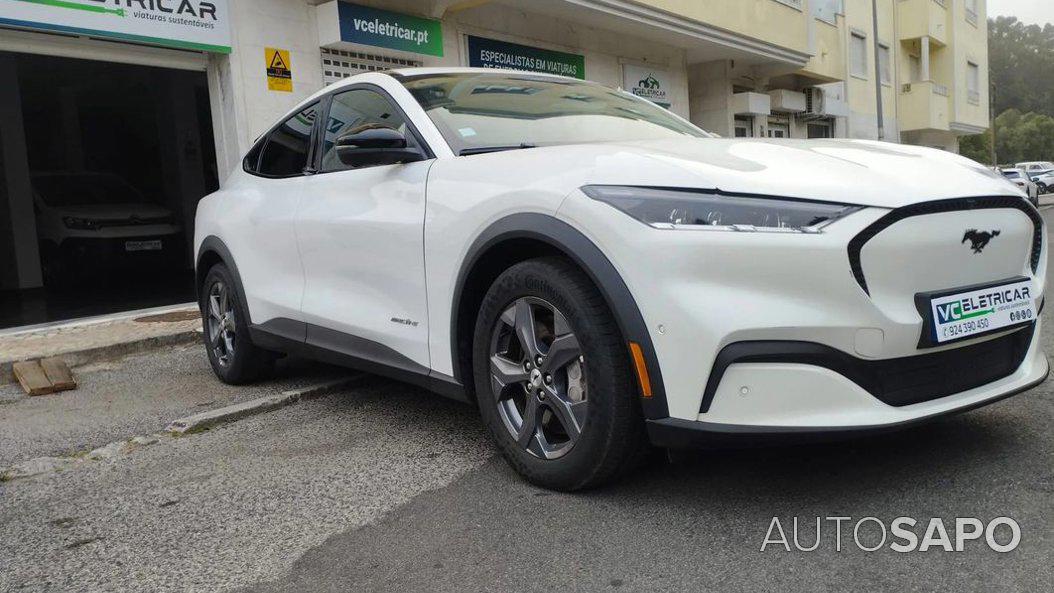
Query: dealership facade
{"x":185,"y":86}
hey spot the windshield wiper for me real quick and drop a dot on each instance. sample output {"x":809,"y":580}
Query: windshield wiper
{"x":488,"y":149}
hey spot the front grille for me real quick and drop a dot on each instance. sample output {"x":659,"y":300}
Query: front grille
{"x":856,"y":245}
{"x":916,"y":379}
{"x":896,"y":381}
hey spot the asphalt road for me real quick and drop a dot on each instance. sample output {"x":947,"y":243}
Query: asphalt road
{"x":383,"y":487}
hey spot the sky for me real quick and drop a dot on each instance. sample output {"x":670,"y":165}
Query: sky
{"x":1031,"y":12}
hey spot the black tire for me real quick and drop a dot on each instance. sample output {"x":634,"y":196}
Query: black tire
{"x":244,"y":362}
{"x":1042,"y":189}
{"x":612,"y":440}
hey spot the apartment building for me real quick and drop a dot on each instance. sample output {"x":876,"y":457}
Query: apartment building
{"x":191,"y":83}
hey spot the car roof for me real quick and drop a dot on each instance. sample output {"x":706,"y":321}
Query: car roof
{"x":439,"y":71}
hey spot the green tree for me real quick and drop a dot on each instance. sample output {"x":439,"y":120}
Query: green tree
{"x":1021,"y":59}
{"x":1019,"y":137}
{"x":977,"y":147}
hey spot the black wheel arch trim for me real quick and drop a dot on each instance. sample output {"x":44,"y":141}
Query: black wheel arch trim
{"x":588,"y":257}
{"x":214,"y":245}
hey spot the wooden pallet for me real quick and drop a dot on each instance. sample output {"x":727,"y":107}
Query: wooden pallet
{"x":41,"y":377}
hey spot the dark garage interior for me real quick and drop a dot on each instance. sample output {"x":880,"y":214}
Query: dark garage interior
{"x":101,"y":168}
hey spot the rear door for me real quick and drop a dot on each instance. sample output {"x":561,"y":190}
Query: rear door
{"x":360,"y":232}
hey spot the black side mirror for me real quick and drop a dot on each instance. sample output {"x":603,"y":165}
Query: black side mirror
{"x":371,"y":146}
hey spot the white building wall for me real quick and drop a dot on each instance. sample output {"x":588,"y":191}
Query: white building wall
{"x":243,"y":107}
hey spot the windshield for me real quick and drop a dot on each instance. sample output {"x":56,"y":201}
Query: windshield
{"x":479,"y":111}
{"x":84,"y":190}
{"x":1011,"y":174}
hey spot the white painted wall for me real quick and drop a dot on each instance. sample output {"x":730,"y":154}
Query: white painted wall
{"x":243,"y":107}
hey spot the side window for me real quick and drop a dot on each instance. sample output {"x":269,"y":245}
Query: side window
{"x":353,"y":110}
{"x":286,"y":150}
{"x":252,"y":160}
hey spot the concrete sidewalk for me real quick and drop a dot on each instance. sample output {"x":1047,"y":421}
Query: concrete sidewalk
{"x":138,"y":394}
{"x":90,"y":340}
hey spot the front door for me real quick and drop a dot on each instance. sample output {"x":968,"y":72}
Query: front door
{"x":361,"y":239}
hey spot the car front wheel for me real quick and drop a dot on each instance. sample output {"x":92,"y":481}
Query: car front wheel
{"x":233,"y":356}
{"x":553,"y":380}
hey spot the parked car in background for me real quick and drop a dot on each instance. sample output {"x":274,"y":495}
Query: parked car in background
{"x":1041,"y":172}
{"x":1020,"y":179}
{"x":1043,"y":180}
{"x":1035,"y":167}
{"x":84,"y":219}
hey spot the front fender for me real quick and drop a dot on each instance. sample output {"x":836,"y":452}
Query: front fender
{"x":584,"y":253}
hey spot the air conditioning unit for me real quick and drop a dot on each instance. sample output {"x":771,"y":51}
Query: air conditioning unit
{"x":814,"y":101}
{"x":821,"y":104}
{"x":787,"y":101}
{"x":751,"y":104}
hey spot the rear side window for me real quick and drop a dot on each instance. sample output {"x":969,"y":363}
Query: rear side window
{"x":286,"y":149}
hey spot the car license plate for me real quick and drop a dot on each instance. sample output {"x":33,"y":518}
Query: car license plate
{"x":143,"y":245}
{"x":977,"y":311}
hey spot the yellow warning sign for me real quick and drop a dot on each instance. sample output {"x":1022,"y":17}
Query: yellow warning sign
{"x":279,"y":70}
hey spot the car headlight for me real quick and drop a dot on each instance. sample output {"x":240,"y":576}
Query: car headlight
{"x":702,"y":209}
{"x":80,"y":224}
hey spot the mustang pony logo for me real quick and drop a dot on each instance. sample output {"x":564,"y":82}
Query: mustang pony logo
{"x":978,"y":239}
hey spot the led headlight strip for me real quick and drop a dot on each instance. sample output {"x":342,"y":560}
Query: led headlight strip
{"x":666,"y":208}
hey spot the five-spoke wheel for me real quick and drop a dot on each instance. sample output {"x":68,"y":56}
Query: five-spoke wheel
{"x":221,"y":326}
{"x":232,"y":354}
{"x":537,"y":378}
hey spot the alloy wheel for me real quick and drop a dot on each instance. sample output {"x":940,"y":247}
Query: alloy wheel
{"x":221,"y":323}
{"x":537,"y":377}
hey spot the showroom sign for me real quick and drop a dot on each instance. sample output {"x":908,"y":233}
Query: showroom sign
{"x":183,"y":24}
{"x":491,"y":53}
{"x":383,"y":28}
{"x":647,"y":83}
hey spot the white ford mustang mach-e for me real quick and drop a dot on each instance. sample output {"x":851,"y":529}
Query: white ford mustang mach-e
{"x":597,"y":274}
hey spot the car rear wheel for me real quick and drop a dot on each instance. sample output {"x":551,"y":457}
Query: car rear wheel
{"x":553,"y":380}
{"x":233,"y":356}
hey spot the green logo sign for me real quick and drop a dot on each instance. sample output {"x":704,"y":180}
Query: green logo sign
{"x":383,"y":28}
{"x":199,"y":25}
{"x":647,"y":84}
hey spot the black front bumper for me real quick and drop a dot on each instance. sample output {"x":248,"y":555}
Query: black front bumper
{"x":111,"y":253}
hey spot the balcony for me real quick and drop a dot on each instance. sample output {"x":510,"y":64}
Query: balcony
{"x":923,"y":18}
{"x":827,"y":63}
{"x":923,"y":106}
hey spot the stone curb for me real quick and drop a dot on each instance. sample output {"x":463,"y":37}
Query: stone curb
{"x":210,"y":418}
{"x":176,"y":428}
{"x":111,"y":351}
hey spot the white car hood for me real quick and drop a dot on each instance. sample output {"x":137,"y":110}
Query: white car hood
{"x":850,"y":171}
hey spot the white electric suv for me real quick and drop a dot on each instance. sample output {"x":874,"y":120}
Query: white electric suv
{"x":597,"y":274}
